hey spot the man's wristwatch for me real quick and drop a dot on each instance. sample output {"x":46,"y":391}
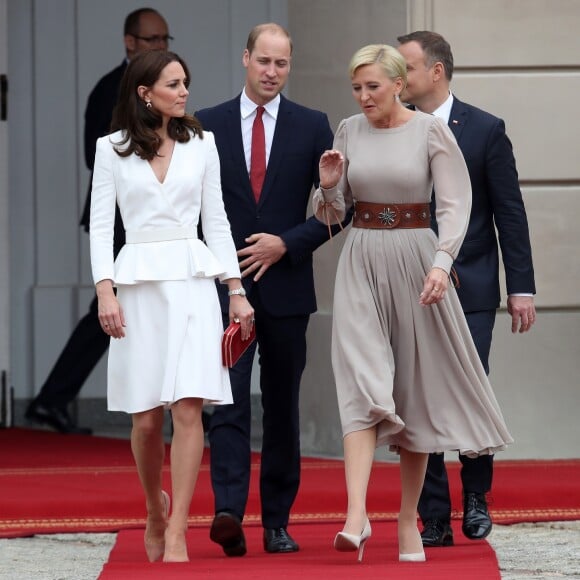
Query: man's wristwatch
{"x":237,"y":292}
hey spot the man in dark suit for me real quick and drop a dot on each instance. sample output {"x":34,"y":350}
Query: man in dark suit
{"x":497,"y":203}
{"x":275,"y":243}
{"x":144,"y":29}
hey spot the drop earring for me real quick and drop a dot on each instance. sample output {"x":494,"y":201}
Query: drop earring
{"x":148,"y":104}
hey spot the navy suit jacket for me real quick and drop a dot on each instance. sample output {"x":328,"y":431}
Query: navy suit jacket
{"x":300,"y":137}
{"x":497,"y":203}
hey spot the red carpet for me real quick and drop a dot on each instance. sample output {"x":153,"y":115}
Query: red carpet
{"x":66,"y":483}
{"x":316,"y":558}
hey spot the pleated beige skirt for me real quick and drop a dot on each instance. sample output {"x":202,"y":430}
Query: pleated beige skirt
{"x":172,"y":347}
{"x":411,"y":370}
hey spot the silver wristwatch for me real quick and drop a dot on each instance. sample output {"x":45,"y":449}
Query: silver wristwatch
{"x":238,"y":291}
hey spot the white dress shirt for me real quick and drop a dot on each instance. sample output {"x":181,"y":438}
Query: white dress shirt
{"x":248,"y":113}
{"x":443,"y":111}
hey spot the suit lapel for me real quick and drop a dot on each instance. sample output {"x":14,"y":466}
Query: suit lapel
{"x":457,"y":118}
{"x":281,"y":132}
{"x":234,"y":132}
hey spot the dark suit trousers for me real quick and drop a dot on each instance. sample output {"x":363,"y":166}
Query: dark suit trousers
{"x":82,"y":352}
{"x":476,"y":473}
{"x":282,"y":356}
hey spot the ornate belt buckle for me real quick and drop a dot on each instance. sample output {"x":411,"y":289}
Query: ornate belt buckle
{"x":390,"y":217}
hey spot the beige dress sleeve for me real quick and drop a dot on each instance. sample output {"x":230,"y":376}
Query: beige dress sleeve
{"x":452,"y":193}
{"x":330,"y":205}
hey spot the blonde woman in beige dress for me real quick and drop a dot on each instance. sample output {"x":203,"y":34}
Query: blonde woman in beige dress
{"x":406,"y":369}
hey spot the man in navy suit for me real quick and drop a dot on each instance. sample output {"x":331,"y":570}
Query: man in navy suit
{"x":497,"y":203}
{"x":144,"y":28}
{"x":275,"y":243}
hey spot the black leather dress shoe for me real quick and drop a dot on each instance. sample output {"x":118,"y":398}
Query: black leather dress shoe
{"x":476,"y":518}
{"x":437,"y":533}
{"x":57,"y":418}
{"x":278,"y":541}
{"x":226,"y":530}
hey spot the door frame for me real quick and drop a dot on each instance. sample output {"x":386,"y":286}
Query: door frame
{"x":5,"y":321}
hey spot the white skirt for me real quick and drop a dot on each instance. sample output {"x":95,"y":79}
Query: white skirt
{"x":172,"y":346}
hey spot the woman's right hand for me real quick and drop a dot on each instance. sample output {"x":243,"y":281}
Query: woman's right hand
{"x":111,"y":314}
{"x":330,"y":168}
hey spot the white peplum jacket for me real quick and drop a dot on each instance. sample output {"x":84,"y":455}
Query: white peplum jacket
{"x":160,"y":219}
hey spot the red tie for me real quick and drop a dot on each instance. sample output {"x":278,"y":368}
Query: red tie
{"x":258,"y":160}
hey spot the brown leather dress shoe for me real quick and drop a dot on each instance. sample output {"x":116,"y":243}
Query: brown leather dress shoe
{"x":226,"y":530}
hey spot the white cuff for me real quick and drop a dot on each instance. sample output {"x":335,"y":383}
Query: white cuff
{"x":443,"y":260}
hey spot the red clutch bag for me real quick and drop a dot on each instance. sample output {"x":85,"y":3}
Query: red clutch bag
{"x":233,"y":347}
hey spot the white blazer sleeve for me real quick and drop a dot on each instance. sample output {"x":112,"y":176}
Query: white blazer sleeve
{"x":216,"y":227}
{"x":103,"y":199}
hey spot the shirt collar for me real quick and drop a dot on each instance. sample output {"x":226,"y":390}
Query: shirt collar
{"x":443,"y":111}
{"x":247,"y":106}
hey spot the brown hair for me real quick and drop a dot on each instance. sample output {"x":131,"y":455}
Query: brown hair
{"x":137,"y":121}
{"x":435,"y":48}
{"x":271,"y":27}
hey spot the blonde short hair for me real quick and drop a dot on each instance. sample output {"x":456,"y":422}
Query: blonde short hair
{"x":387,"y":57}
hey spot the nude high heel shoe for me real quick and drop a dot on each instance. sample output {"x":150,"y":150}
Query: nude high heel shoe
{"x":344,"y":542}
{"x":415,"y":556}
{"x":155,"y":549}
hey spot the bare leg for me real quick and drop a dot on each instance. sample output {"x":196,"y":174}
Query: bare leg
{"x":149,"y":452}
{"x":359,"y":451}
{"x":413,"y":467}
{"x":186,"y":452}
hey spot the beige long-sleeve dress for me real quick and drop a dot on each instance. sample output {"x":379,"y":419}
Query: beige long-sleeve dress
{"x":411,"y":370}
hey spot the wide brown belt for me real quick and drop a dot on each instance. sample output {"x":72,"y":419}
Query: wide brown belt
{"x":387,"y":216}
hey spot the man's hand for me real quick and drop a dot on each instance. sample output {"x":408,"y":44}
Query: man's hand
{"x":263,"y":251}
{"x":523,"y":312}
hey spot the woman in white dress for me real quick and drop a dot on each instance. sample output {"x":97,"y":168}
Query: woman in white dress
{"x":407,"y":372}
{"x":163,"y":172}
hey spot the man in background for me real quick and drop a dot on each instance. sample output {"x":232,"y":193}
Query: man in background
{"x":144,"y":29}
{"x":497,"y":203}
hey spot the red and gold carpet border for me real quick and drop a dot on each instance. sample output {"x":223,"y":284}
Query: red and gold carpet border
{"x":61,"y":525}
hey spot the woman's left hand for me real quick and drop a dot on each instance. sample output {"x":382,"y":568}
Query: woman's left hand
{"x":241,"y":310}
{"x":434,"y":288}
